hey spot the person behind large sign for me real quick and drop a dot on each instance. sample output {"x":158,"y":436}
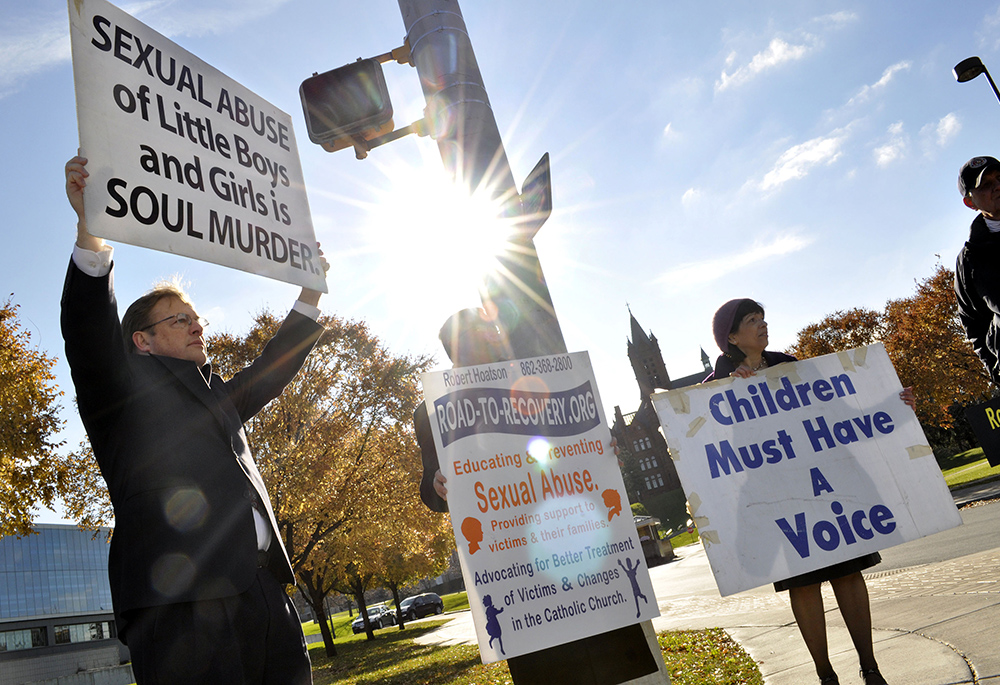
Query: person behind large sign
{"x":197,"y":567}
{"x":470,"y":337}
{"x":977,"y":274}
{"x":740,"y":331}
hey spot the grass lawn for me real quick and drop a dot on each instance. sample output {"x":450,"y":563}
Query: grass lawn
{"x":705,"y":657}
{"x":685,"y":539}
{"x":967,"y":467}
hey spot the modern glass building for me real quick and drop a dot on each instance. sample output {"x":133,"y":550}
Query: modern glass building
{"x":55,"y":608}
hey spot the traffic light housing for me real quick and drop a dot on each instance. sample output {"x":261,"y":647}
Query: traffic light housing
{"x":345,"y":104}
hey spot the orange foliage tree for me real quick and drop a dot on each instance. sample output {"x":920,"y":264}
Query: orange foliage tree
{"x":29,"y":423}
{"x":336,"y":449}
{"x":842,"y":330}
{"x":927,"y":346}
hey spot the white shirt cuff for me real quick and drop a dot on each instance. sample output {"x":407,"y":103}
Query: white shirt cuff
{"x":309,"y":310}
{"x":96,"y":264}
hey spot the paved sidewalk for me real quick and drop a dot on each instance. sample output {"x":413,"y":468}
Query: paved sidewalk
{"x":933,"y":624}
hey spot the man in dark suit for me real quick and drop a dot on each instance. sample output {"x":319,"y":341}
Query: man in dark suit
{"x":197,"y":566}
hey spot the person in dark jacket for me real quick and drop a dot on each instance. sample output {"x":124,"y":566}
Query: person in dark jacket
{"x":469,"y":338}
{"x":977,"y":269}
{"x":197,"y":566}
{"x":741,"y":333}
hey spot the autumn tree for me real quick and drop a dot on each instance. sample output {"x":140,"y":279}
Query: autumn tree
{"x":842,"y":330}
{"x":29,"y":423}
{"x":336,"y":449}
{"x":420,"y":548}
{"x":82,"y":489}
{"x":927,"y":344}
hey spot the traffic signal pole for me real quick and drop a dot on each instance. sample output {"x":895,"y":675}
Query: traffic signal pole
{"x":459,"y":117}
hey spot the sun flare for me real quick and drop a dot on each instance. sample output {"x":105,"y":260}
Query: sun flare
{"x":431,"y":237}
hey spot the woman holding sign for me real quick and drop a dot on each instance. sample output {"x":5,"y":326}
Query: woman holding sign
{"x":741,"y":333}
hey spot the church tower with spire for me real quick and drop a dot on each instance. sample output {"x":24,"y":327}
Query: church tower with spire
{"x":649,"y":470}
{"x":647,"y":360}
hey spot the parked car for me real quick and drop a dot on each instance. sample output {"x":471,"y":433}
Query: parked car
{"x":419,"y":606}
{"x":379,"y":616}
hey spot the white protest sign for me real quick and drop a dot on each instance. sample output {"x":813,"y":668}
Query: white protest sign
{"x":182,"y":158}
{"x":545,"y":534}
{"x":804,"y":465}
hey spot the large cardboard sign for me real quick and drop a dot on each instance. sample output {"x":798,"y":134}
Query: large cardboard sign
{"x":545,"y":534}
{"x":182,"y":158}
{"x":802,"y":466}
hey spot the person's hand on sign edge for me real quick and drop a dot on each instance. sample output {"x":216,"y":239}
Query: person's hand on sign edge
{"x":909,"y":398}
{"x":308,"y":295}
{"x":439,"y":485}
{"x":76,"y":181}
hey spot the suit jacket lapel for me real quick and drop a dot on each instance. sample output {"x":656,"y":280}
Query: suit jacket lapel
{"x":190,"y":375}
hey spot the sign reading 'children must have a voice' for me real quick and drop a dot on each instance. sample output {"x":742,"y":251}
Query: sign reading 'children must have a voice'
{"x":182,"y":158}
{"x":803,"y":465}
{"x":545,"y":535}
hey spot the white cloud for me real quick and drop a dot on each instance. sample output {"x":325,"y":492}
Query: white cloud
{"x":796,"y":161}
{"x":690,"y":195}
{"x":185,"y":18}
{"x":947,"y":128}
{"x":889,"y":153}
{"x":26,"y":52}
{"x":837,"y":18}
{"x":895,"y":149}
{"x":778,"y":52}
{"x":939,"y":134}
{"x":43,"y":41}
{"x":867,"y":91}
{"x":987,"y":33}
{"x":699,"y":273}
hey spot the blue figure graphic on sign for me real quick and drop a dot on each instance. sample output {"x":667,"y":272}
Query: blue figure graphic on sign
{"x":492,"y":623}
{"x":631,"y":572}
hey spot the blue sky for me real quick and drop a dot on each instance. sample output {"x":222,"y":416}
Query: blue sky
{"x":804,"y":154}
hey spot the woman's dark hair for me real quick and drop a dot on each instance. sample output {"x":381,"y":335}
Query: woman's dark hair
{"x":746,"y":306}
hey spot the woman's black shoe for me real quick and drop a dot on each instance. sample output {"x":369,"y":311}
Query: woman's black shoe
{"x":873,"y":677}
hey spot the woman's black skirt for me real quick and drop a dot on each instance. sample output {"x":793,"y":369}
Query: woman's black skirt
{"x":844,"y":568}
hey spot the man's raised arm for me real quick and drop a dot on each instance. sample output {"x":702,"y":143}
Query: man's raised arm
{"x":76,"y":181}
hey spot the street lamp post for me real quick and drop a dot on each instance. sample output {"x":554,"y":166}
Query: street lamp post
{"x":970,"y":68}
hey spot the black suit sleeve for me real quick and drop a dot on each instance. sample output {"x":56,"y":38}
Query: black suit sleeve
{"x":95,"y":349}
{"x":253,"y":387}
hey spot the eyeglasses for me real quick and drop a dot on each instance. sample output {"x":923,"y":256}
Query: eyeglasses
{"x":181,"y":320}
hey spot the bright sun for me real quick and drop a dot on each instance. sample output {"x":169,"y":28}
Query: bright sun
{"x":431,"y":237}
